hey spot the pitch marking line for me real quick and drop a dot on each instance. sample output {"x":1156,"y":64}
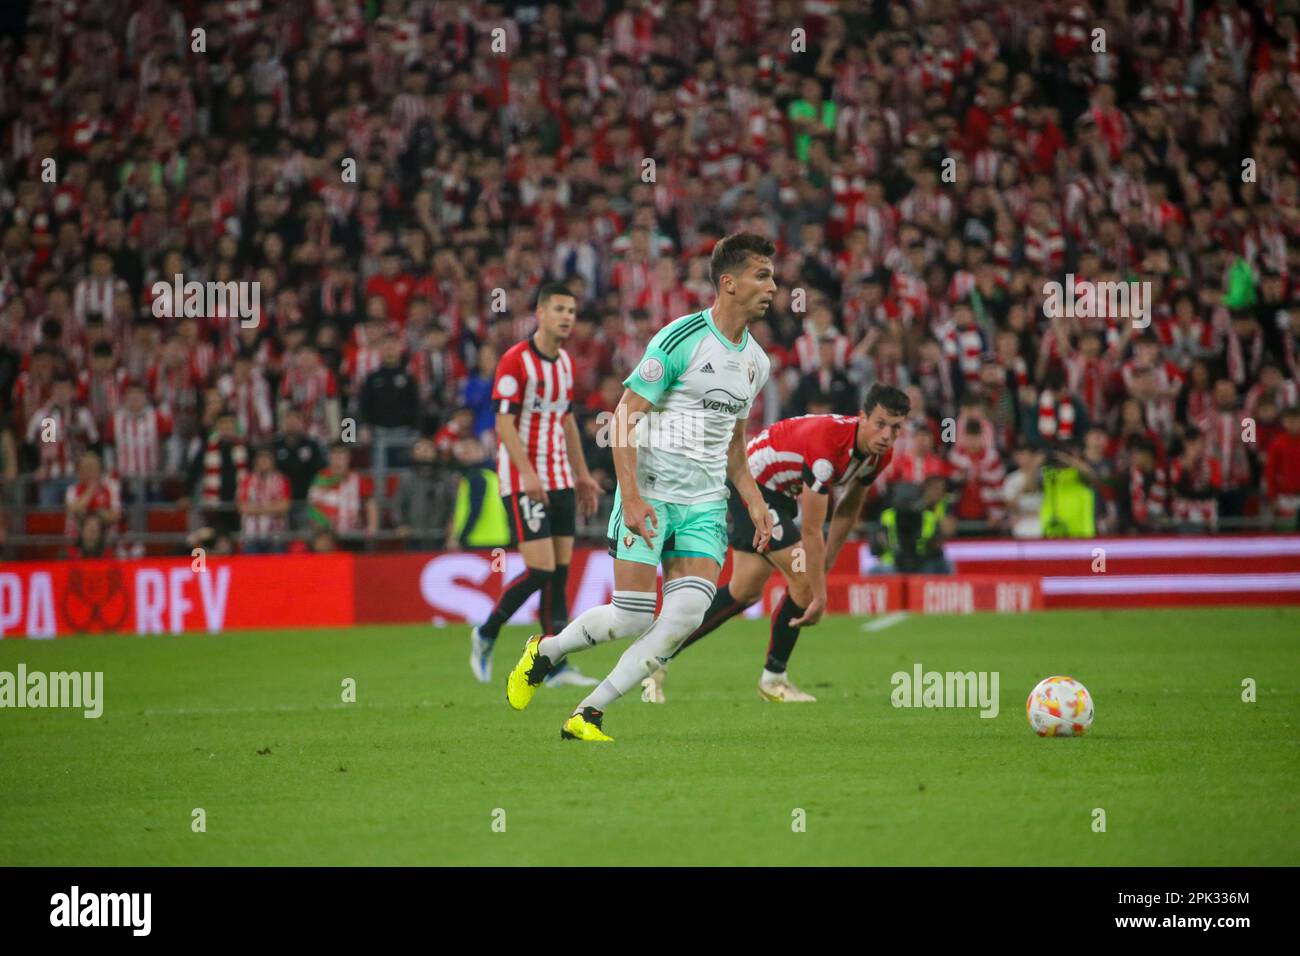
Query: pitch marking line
{"x":889,"y":620}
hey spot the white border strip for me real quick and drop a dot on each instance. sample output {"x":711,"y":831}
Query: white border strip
{"x":1170,"y":583}
{"x":1082,"y":548}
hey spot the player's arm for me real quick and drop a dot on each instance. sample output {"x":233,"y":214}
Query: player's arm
{"x":638,"y":516}
{"x":652,"y":379}
{"x":508,"y":434}
{"x":738,"y":474}
{"x":812,"y":512}
{"x":843,"y":521}
{"x":587,"y":490}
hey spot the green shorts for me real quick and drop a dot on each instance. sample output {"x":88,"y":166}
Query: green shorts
{"x":684,"y":531}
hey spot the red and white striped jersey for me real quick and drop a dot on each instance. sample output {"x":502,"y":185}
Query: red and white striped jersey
{"x":267,"y":489}
{"x":251,"y":401}
{"x":101,"y":394}
{"x":807,"y":348}
{"x":1194,"y":487}
{"x":1148,"y":496}
{"x":93,"y":295}
{"x":818,"y":452}
{"x":308,"y":390}
{"x":537,"y":391}
{"x":137,"y":441}
{"x":982,"y":474}
{"x":1222,"y":431}
{"x":359,"y":362}
{"x":70,"y":430}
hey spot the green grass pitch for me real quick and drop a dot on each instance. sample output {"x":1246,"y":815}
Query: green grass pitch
{"x":252,"y":729}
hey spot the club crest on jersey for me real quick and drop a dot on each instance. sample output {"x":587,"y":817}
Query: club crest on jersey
{"x":628,"y":540}
{"x":749,"y":369}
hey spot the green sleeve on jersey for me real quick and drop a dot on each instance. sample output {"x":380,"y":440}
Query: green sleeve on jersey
{"x":666,"y":357}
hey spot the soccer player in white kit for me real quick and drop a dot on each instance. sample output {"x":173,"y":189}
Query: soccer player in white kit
{"x":678,"y":437}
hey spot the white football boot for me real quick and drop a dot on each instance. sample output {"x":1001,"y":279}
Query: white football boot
{"x":567,"y":674}
{"x":480,"y":656}
{"x":778,"y":689}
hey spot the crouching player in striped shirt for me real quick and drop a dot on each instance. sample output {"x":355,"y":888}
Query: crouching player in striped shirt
{"x":796,"y":463}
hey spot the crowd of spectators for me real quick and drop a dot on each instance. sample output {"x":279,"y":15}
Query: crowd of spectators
{"x":399,"y":176}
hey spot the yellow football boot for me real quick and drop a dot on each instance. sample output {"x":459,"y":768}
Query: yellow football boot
{"x":585,"y":726}
{"x":527,"y":674}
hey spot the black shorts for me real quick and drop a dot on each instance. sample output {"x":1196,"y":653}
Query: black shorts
{"x":740,"y":530}
{"x":533,"y":520}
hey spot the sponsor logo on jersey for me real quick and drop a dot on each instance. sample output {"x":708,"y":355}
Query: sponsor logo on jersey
{"x":708,"y":367}
{"x":719,"y":404}
{"x":651,"y":370}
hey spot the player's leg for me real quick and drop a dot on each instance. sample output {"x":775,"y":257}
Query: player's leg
{"x":530,"y":529}
{"x":694,"y":549}
{"x":775,"y":684}
{"x":749,"y":570}
{"x":749,"y":574}
{"x":628,"y":615}
{"x":746,"y":567}
{"x":554,"y":614}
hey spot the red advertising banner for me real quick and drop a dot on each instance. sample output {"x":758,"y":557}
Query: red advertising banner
{"x":459,"y":586}
{"x":40,"y":600}
{"x":167,"y":596}
{"x":848,"y":594}
{"x":968,"y":593}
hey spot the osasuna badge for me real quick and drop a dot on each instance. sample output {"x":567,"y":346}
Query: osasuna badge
{"x":628,"y":539}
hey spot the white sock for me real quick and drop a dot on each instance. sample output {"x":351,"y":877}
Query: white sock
{"x":631,"y":613}
{"x":770,"y":677}
{"x":685,"y":602}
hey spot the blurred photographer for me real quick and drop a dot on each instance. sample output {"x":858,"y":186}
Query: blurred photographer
{"x":1069,"y":500}
{"x":913,"y":530}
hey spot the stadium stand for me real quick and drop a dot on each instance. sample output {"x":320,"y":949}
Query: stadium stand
{"x":411,"y":170}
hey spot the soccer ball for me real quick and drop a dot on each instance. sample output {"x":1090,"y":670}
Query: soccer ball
{"x":1059,"y":707}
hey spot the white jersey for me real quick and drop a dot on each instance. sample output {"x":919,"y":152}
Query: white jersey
{"x":700,"y":384}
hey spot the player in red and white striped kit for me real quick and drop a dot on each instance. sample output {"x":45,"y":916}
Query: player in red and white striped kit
{"x":542,"y":475}
{"x":796,"y":463}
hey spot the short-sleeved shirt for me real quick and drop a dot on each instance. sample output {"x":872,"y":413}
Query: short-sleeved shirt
{"x":699,"y":384}
{"x":817,"y":452}
{"x":537,"y":390}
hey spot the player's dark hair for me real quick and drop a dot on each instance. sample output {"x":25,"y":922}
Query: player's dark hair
{"x":731,"y":254}
{"x":891,"y":399}
{"x":551,"y":289}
